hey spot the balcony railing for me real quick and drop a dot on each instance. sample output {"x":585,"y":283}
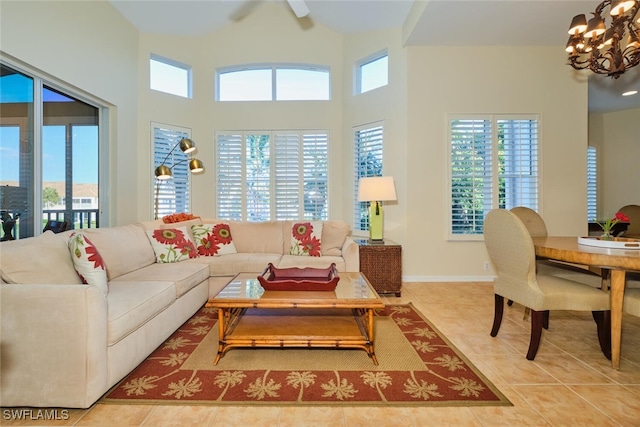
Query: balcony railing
{"x":80,"y":218}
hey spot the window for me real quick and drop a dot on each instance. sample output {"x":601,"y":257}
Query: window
{"x":592,"y":184}
{"x":170,"y":76}
{"x":279,"y":175}
{"x":372,"y":72}
{"x":494,"y":164}
{"x":273,"y":83}
{"x":170,"y":195}
{"x":367,"y":147}
{"x":49,"y":152}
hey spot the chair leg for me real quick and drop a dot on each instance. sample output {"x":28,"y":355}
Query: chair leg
{"x":537,"y":320}
{"x":603,"y":321}
{"x":545,"y":320}
{"x":497,"y":315}
{"x":509,"y":302}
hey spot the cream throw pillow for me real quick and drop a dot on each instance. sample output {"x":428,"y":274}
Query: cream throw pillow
{"x":88,"y":262}
{"x":213,"y":239}
{"x":306,"y":238}
{"x":172,"y":244}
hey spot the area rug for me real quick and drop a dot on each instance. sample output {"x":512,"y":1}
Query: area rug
{"x":418,"y":366}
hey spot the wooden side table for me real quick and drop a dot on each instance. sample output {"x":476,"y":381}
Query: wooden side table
{"x":381,"y":263}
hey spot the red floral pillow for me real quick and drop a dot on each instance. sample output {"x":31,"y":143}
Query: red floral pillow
{"x":305,"y":238}
{"x":213,"y":239}
{"x":172,"y":244}
{"x":87,"y":261}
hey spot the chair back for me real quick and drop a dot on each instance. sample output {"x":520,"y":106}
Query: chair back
{"x":511,"y":250}
{"x":633,"y":212}
{"x":532,"y":220}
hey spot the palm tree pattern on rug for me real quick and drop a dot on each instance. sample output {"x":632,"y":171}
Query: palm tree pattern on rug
{"x":446,"y":379}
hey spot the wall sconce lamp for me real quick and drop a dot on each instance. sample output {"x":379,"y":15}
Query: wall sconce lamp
{"x":376,"y":189}
{"x":163,"y":172}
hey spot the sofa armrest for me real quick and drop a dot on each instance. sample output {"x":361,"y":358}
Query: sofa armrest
{"x":53,"y":345}
{"x":351,"y":255}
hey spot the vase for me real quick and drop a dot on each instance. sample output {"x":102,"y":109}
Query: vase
{"x":606,"y":235}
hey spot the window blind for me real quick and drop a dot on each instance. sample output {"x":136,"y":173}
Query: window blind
{"x":493,"y":164}
{"x":367,"y":143}
{"x":592,"y":184}
{"x":173,"y":195}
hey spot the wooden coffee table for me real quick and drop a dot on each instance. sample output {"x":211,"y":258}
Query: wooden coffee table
{"x":249,"y":316}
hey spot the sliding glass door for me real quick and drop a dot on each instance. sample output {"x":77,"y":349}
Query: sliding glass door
{"x":49,"y":163}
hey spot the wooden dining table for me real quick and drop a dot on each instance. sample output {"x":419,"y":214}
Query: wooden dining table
{"x":618,"y":261}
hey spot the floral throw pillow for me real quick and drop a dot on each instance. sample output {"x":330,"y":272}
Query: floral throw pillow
{"x":305,"y":238}
{"x":87,"y":261}
{"x":213,"y":239}
{"x":172,"y":244}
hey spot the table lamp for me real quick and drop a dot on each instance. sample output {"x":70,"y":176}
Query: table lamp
{"x":376,"y":189}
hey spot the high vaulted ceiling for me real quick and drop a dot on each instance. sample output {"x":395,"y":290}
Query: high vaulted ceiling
{"x":441,"y":23}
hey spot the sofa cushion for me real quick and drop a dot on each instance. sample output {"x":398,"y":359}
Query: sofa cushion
{"x":213,"y":239}
{"x":125,"y":248}
{"x":334,"y":233}
{"x":87,"y":261}
{"x":172,"y":244}
{"x":132,"y":304}
{"x":185,"y":275}
{"x":306,"y":238}
{"x":37,"y":260}
{"x":316,"y":262}
{"x":258,"y":237}
{"x":229,"y":265}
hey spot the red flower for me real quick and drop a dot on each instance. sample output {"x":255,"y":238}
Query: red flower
{"x":302,"y":230}
{"x":311,"y":245}
{"x":208,"y":246}
{"x":187,"y":247}
{"x":168,"y":236}
{"x":221,"y":234}
{"x":93,"y":255}
{"x":621,"y":217}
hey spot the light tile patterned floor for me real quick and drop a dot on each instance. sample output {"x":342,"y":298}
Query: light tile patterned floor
{"x":570,"y":382}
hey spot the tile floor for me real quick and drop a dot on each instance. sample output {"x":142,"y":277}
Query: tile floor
{"x":569,"y":383}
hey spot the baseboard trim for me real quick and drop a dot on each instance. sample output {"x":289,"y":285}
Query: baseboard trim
{"x":448,"y":278}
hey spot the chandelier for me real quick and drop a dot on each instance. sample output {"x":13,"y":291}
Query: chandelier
{"x":605,"y":50}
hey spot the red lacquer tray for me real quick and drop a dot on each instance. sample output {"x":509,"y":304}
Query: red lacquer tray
{"x":299,"y":279}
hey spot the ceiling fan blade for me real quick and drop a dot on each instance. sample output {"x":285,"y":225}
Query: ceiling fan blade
{"x":299,"y":7}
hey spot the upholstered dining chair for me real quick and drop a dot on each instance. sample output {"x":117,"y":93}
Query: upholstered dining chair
{"x":633,"y":212}
{"x":536,"y":227}
{"x":512,"y":253}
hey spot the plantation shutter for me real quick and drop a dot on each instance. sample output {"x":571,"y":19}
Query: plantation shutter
{"x":288,"y":176}
{"x":471,"y":178}
{"x":592,"y":184}
{"x":518,"y":159}
{"x":316,"y":150}
{"x":279,"y":174}
{"x":171,"y":195}
{"x":229,"y":176}
{"x":367,"y":143}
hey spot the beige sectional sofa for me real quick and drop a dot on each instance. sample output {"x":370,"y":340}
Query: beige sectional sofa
{"x":64,"y":343}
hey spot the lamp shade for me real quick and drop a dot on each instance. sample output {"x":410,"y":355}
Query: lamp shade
{"x":196,"y":166}
{"x":187,"y":145}
{"x":578,"y":24}
{"x":595,"y":27}
{"x":163,"y":172}
{"x":376,"y":188}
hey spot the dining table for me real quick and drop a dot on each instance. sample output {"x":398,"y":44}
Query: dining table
{"x":616,"y":260}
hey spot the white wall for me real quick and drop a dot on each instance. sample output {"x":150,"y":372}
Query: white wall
{"x":457,"y":80}
{"x":91,"y":47}
{"x":616,"y":137}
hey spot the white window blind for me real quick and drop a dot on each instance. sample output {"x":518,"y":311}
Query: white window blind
{"x":493,"y":164}
{"x":367,"y":144}
{"x":272,"y":175}
{"x":171,"y":195}
{"x":592,"y":184}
